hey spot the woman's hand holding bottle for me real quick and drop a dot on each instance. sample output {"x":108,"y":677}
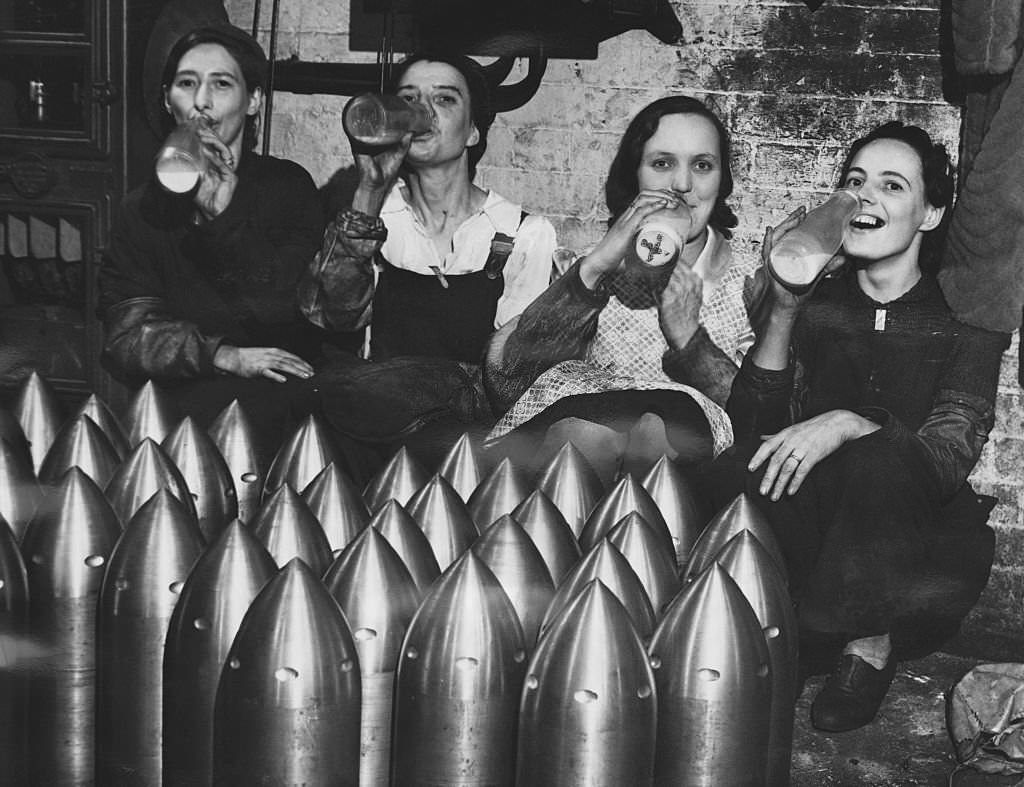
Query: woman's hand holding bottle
{"x":609,"y":255}
{"x":378,"y":171}
{"x":218,"y":180}
{"x":786,"y":297}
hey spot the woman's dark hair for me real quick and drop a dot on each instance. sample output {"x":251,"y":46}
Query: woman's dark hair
{"x":251,"y":59}
{"x":480,"y":107}
{"x":623,"y":185}
{"x":937,"y":173}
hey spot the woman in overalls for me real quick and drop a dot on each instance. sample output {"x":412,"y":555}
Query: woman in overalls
{"x":429,"y":261}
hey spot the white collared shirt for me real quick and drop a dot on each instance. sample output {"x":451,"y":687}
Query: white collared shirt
{"x":527,"y":272}
{"x":706,"y":261}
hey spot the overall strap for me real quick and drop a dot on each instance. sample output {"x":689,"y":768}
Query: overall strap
{"x":501,"y":248}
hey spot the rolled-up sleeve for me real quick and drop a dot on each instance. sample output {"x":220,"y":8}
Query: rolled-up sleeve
{"x":336,"y":291}
{"x":558,"y":326}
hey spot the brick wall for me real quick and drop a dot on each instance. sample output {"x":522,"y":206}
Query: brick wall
{"x":793,"y":86}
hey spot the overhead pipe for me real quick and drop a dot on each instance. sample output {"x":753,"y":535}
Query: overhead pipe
{"x":349,"y":79}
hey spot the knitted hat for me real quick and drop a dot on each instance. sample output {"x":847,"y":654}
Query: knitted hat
{"x":208,"y":21}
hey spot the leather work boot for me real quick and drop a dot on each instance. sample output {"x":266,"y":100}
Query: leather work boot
{"x":851,"y":695}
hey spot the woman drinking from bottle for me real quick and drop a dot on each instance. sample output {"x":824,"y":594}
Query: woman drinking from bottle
{"x":430,"y":261}
{"x":631,"y":353}
{"x":859,"y":413}
{"x":198,"y":289}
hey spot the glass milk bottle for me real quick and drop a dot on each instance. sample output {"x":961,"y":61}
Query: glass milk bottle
{"x":382,"y":119}
{"x":801,"y":255}
{"x":182,"y":159}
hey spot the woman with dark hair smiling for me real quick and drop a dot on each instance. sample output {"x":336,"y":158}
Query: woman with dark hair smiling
{"x":625,"y":361}
{"x":859,"y":413}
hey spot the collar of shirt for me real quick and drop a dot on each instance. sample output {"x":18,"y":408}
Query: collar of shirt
{"x":409,"y":246}
{"x":707,"y":267}
{"x":925,"y":289}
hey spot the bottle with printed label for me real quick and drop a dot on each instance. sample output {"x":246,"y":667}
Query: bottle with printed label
{"x":182,"y":160}
{"x":800,"y":256}
{"x":382,"y":119}
{"x":657,"y":243}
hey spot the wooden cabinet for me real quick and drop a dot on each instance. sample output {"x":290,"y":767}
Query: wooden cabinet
{"x":72,"y":139}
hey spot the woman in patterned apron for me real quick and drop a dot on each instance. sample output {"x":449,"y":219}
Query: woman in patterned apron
{"x":631,"y":362}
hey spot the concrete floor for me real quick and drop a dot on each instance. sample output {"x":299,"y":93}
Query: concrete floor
{"x":908,"y":744}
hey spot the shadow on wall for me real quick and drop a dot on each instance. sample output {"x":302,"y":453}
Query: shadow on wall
{"x":335,"y":195}
{"x":339,"y":189}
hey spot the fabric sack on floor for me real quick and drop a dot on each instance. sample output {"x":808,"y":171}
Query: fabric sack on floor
{"x":985,"y":718}
{"x":384,"y":401}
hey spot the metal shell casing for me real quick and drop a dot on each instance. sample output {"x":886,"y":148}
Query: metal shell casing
{"x":80,"y":443}
{"x":399,"y":479}
{"x":551,"y":534}
{"x":606,"y":563}
{"x":146,"y":571}
{"x":756,"y":574}
{"x":461,"y":467}
{"x":409,"y":541}
{"x":150,"y":413}
{"x":36,"y":409}
{"x":588,"y":711}
{"x":335,"y":501}
{"x":307,"y":451}
{"x":14,"y":646}
{"x":713,"y":679}
{"x":206,"y":474}
{"x":498,"y":494}
{"x":511,"y":555}
{"x":232,"y":434}
{"x":741,"y":514}
{"x":646,"y":553}
{"x":11,"y":431}
{"x":458,"y":685}
{"x":379,"y":598}
{"x":626,"y":496}
{"x":143,"y":473}
{"x":444,"y":519}
{"x":572,"y":484}
{"x":287,"y":528}
{"x":67,"y":546}
{"x":287,"y":707}
{"x":19,"y":491}
{"x":228,"y":575}
{"x":677,"y":499}
{"x":109,"y":424}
